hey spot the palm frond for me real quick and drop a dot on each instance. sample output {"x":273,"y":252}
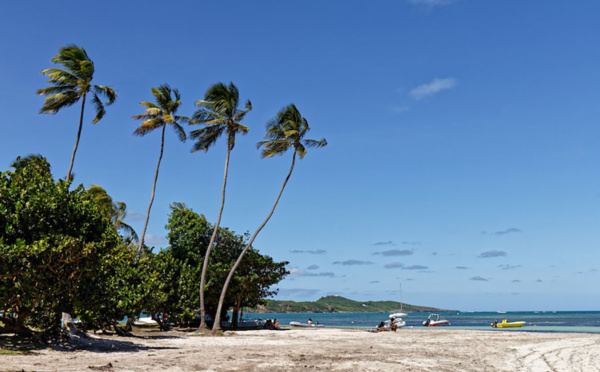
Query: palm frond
{"x":53,"y":90}
{"x":274,"y":147}
{"x":76,"y":60}
{"x":208,"y":116}
{"x":127,"y":230}
{"x":56,"y":75}
{"x":206,"y":137}
{"x":183,"y":119}
{"x":102,"y":200}
{"x":240,"y":115}
{"x":100,"y":111}
{"x":300,"y":150}
{"x":107,"y":92}
{"x":58,"y":101}
{"x":240,"y":129}
{"x":149,"y":104}
{"x":179,"y":131}
{"x":148,"y":126}
{"x":314,"y":143}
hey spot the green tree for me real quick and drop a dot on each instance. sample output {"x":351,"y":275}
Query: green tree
{"x":187,"y":231}
{"x":253,"y":281}
{"x":220,"y":114}
{"x":159,"y":115}
{"x":72,"y":84}
{"x":55,"y":249}
{"x":285,"y":131}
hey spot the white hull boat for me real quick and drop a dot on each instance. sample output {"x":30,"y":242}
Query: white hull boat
{"x":306,"y":325}
{"x":145,"y":321}
{"x":435,"y":320}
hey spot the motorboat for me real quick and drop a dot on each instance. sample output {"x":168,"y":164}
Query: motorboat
{"x":307,"y":325}
{"x":506,"y":324}
{"x":398,"y":322}
{"x":435,"y":320}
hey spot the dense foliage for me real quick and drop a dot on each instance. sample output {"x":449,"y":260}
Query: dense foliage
{"x":189,"y":234}
{"x":56,"y":249}
{"x":60,"y":253}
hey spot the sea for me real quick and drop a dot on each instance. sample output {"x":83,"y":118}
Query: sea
{"x":536,"y":321}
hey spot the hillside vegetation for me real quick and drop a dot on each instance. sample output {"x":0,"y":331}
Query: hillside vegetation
{"x":338,"y":304}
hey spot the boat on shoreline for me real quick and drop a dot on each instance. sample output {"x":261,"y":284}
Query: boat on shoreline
{"x":506,"y":324}
{"x":435,"y":320}
{"x":307,"y":325}
{"x":396,"y":318}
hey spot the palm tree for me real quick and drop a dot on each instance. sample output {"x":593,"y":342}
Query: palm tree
{"x":286,"y":130}
{"x":220,"y":113}
{"x":159,"y":115}
{"x":71,"y":85}
{"x":114,"y":211}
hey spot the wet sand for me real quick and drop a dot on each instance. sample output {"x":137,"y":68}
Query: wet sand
{"x":415,"y":350}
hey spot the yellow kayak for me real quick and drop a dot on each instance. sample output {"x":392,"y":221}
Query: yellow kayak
{"x":506,"y":324}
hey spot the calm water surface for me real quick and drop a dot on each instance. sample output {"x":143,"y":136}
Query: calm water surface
{"x":560,"y":321}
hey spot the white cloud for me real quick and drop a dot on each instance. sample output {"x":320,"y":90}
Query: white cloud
{"x":400,"y":108}
{"x":134,"y":216}
{"x":154,"y":239}
{"x":297,"y":272}
{"x":435,"y":86}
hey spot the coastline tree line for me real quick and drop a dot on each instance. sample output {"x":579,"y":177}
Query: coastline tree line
{"x":68,"y":250}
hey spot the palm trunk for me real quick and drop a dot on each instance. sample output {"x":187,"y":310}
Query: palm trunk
{"x":217,"y":325}
{"x":210,"y":245}
{"x":162,"y":147}
{"x":77,"y":139}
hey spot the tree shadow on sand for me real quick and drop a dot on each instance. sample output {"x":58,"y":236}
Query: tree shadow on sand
{"x":77,"y":342}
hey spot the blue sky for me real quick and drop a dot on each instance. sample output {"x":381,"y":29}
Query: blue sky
{"x":462,"y":158}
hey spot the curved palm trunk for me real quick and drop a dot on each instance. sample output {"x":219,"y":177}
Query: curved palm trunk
{"x":217,"y":325}
{"x":210,"y":245}
{"x":162,"y":147}
{"x":77,"y":139}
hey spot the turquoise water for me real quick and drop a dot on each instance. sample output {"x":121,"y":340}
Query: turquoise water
{"x":560,"y":321}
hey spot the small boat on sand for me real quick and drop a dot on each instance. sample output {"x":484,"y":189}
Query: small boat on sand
{"x":435,"y":320}
{"x":298,"y":324}
{"x":396,"y":318}
{"x":506,"y":324}
{"x":145,"y":321}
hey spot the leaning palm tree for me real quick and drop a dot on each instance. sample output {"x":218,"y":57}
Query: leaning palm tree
{"x":285,"y":131}
{"x":159,"y":115}
{"x":220,"y":114}
{"x":72,"y":84}
{"x":115,"y":212}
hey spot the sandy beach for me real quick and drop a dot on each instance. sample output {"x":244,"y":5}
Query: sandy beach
{"x":325,"y":350}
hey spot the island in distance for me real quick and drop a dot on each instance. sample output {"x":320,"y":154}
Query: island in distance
{"x":338,"y":304}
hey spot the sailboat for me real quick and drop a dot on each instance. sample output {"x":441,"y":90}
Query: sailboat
{"x":397,"y":317}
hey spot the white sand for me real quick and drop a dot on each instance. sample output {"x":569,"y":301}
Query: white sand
{"x":415,"y":350}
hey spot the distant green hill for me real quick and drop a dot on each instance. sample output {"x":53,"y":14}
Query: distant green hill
{"x":337,"y":304}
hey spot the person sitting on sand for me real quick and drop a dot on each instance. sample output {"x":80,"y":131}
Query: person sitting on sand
{"x":393,"y":326}
{"x":268,"y":324}
{"x":275,"y":324}
{"x":310,"y":321}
